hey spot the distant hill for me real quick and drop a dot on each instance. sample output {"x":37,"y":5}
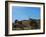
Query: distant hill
{"x":34,"y":23}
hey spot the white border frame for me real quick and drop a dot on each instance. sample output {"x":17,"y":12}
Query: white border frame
{"x":24,"y":31}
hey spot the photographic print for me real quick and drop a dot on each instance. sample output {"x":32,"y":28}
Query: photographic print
{"x":24,"y":18}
